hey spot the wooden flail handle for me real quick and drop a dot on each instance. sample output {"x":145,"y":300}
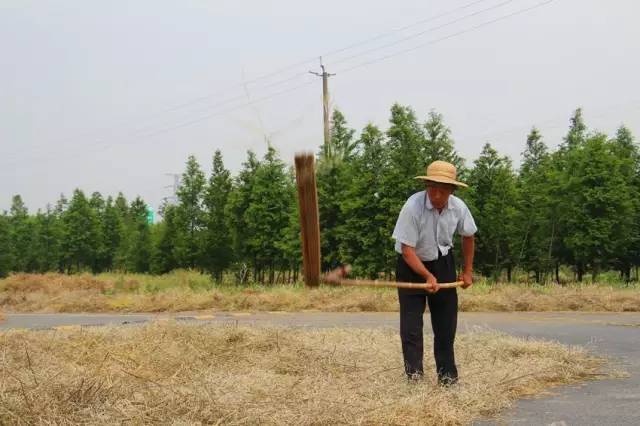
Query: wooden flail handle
{"x":336,"y":277}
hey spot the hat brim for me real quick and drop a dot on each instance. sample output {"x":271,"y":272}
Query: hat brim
{"x":442,"y":180}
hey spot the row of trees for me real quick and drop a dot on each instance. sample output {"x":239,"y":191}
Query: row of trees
{"x":578,"y":206}
{"x":78,"y":234}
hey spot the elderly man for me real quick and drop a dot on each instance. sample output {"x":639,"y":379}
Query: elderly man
{"x":424,"y":243}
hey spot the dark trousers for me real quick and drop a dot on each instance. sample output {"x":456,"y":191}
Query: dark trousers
{"x":443,"y":307}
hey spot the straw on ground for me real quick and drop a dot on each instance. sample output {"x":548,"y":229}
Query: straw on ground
{"x":183,"y":290}
{"x":180,"y":373}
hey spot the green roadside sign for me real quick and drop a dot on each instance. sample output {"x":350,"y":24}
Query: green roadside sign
{"x":151,"y":216}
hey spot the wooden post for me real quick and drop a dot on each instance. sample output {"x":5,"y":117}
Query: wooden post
{"x":309,"y":217}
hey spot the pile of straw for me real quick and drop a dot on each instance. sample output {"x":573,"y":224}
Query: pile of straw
{"x":181,"y":373}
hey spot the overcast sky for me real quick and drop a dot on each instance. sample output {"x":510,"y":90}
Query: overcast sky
{"x":112,"y":95}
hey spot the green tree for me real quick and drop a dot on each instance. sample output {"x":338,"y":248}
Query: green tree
{"x":405,"y":160}
{"x":364,"y":238}
{"x":407,"y":157}
{"x":333,"y":165}
{"x":189,"y":215}
{"x":239,"y":200}
{"x":21,"y":235}
{"x":492,"y":183}
{"x":217,"y":250}
{"x":121,"y":217}
{"x":577,"y":131}
{"x":112,"y":225}
{"x":534,"y":217}
{"x":341,"y":143}
{"x":596,"y":214}
{"x":628,"y":244}
{"x":139,"y":236}
{"x":290,"y":244}
{"x":80,"y":233}
{"x":121,"y":205}
{"x":6,"y":252}
{"x":47,"y":241}
{"x":267,"y":216}
{"x":438,"y":144}
{"x":560,"y":206}
{"x":163,"y":257}
{"x":98,"y":205}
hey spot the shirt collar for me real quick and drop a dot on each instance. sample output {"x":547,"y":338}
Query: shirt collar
{"x":429,"y":206}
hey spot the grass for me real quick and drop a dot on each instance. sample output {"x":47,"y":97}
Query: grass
{"x":193,"y":374}
{"x":185,"y":290}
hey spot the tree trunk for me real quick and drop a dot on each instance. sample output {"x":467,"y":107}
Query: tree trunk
{"x":557,"y":272}
{"x":546,"y":267}
{"x":272,"y":275}
{"x":579,"y":273}
{"x":509,"y":273}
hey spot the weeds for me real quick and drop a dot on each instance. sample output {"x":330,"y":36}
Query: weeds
{"x":184,"y":290}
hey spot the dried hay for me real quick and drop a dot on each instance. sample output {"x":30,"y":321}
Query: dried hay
{"x":180,"y":373}
{"x":185,"y":291}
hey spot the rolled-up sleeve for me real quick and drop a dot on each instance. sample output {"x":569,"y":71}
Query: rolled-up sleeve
{"x":466,"y":224}
{"x":406,"y":230}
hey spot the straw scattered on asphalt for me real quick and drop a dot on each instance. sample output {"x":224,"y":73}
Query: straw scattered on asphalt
{"x":186,"y":373}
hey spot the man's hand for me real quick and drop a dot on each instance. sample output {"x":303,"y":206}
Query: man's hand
{"x":432,"y":284}
{"x":414,"y":262}
{"x":467,"y":278}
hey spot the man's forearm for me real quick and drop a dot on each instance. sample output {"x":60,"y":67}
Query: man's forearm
{"x":409,"y":255}
{"x":468,"y":249}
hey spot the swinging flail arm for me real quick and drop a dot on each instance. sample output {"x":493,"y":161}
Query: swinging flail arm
{"x":310,"y":235}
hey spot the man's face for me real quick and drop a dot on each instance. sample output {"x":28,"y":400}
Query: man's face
{"x":439,"y":193}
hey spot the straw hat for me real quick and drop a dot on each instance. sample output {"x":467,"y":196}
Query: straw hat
{"x":442,"y":172}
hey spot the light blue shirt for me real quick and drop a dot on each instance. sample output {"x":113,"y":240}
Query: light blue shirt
{"x":420,"y":225}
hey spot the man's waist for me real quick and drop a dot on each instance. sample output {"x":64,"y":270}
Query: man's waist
{"x":433,"y":259}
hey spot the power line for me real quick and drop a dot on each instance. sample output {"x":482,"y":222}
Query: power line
{"x":421,"y":33}
{"x":267,"y":97}
{"x":404,"y":39}
{"x":288,"y":90}
{"x":558,"y":121}
{"x":329,"y":53}
{"x":401,"y":29}
{"x":281,"y":70}
{"x":456,"y":34}
{"x":226,"y":111}
{"x":182,"y":124}
{"x":341,"y":60}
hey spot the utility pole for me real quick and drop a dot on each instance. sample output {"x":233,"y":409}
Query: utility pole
{"x":174,"y":187}
{"x":173,"y":198}
{"x":325,"y":102}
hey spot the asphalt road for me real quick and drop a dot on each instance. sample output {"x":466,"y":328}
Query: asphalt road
{"x":601,"y":402}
